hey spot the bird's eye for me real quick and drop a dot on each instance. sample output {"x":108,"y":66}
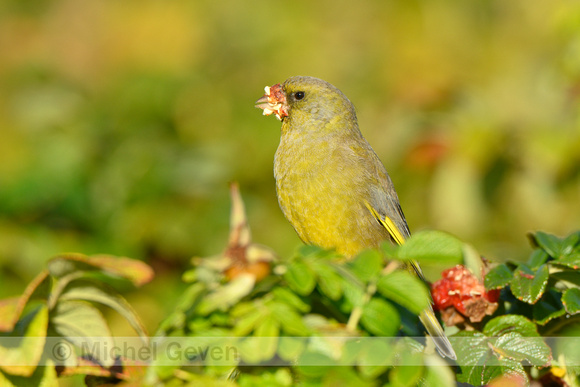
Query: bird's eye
{"x":299,"y":95}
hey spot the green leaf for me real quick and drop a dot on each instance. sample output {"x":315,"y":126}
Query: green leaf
{"x":266,"y":334}
{"x":248,"y":322}
{"x":290,"y":348}
{"x":329,"y":283}
{"x":405,"y":289}
{"x":290,"y":321}
{"x":551,"y":244}
{"x":537,"y":259}
{"x":548,"y":307}
{"x":23,"y":359}
{"x":529,"y":285}
{"x":300,"y":277}
{"x":515,"y":337}
{"x":11,"y":308}
{"x":510,"y":323}
{"x":286,"y":296}
{"x":572,"y":261}
{"x":227,"y":295}
{"x":93,"y":291}
{"x":380,"y":318}
{"x":438,"y":373}
{"x":435,"y":247}
{"x":84,"y":326}
{"x":373,"y":352}
{"x":517,"y":347}
{"x":478,"y":363}
{"x":44,"y":376}
{"x":498,"y":277}
{"x":564,"y":278}
{"x":373,"y":357}
{"x":314,"y":364}
{"x":135,"y":271}
{"x":311,"y":250}
{"x":367,"y":265}
{"x":571,"y":300}
{"x":472,"y":349}
{"x":496,"y":368}
{"x":406,"y":376}
{"x":354,"y":294}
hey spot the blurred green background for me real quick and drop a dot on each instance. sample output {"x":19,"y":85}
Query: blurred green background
{"x":122,"y":122}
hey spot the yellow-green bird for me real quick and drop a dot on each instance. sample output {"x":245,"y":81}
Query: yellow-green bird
{"x":331,"y":185}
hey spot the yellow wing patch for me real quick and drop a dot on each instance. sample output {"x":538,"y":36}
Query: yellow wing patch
{"x":394,"y":232}
{"x":387,"y":224}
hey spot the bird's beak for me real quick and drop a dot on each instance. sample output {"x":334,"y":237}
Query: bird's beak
{"x":263,"y":103}
{"x":273,"y":101}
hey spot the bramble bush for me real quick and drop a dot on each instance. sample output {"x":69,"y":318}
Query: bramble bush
{"x":313,"y":318}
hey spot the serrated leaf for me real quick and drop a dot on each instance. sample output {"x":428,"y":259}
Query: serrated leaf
{"x":329,"y":283}
{"x":432,"y":247}
{"x":23,"y":359}
{"x":367,"y":265}
{"x":551,"y":244}
{"x":478,"y":364}
{"x":286,"y":296}
{"x":135,"y":271}
{"x":548,"y":307}
{"x":380,"y":318}
{"x":516,"y":347}
{"x":11,"y":308}
{"x":571,"y":300}
{"x":471,"y":348}
{"x":496,"y":368}
{"x":498,"y":277}
{"x":84,"y":326}
{"x":502,"y":325}
{"x":529,"y":285}
{"x":572,"y":261}
{"x":300,"y":277}
{"x":92,"y":291}
{"x":405,"y":289}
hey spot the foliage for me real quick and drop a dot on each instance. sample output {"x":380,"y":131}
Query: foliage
{"x":312,"y":319}
{"x":42,"y":330}
{"x":122,"y":122}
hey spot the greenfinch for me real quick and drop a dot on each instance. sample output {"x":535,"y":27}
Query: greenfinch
{"x":331,"y":185}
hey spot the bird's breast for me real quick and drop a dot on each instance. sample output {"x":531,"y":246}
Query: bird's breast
{"x":321,"y":191}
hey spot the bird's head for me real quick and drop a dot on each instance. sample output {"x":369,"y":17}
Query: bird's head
{"x":312,"y":98}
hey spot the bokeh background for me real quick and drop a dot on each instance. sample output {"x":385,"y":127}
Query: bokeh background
{"x":121,"y":122}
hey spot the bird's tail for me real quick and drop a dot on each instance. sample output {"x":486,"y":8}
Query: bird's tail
{"x":427,"y":317}
{"x":436,"y":332}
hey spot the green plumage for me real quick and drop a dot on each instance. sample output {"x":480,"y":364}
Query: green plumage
{"x":331,"y":185}
{"x":325,"y":172}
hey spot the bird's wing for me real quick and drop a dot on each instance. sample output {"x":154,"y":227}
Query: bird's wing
{"x":397,"y":236}
{"x":387,"y":224}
